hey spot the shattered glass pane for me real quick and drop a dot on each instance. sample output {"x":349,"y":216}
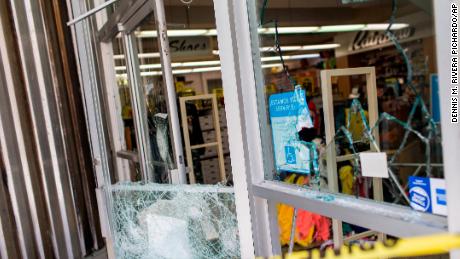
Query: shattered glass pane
{"x":174,"y":221}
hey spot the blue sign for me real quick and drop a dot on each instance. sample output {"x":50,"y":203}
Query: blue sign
{"x":288,"y":115}
{"x":428,"y":195}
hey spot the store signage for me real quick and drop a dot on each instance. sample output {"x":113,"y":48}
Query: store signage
{"x":369,"y":39}
{"x":190,"y":46}
{"x":288,"y":115}
{"x":428,"y":195}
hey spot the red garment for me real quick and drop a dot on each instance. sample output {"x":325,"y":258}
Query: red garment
{"x":306,"y":220}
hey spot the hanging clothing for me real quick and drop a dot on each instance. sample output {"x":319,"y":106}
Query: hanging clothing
{"x":310,"y":227}
{"x":346,"y":179}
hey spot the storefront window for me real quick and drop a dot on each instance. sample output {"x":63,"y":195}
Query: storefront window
{"x":197,"y":80}
{"x":347,"y":103}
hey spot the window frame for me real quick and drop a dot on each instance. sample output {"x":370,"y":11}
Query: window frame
{"x":264,"y":193}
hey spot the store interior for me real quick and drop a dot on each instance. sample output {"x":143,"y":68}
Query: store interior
{"x":297,"y":40}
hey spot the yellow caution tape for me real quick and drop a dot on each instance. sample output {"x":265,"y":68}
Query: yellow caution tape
{"x":415,"y":246}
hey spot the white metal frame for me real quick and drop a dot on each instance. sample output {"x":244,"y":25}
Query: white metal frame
{"x":139,"y":106}
{"x":165,"y":59}
{"x":238,"y":142}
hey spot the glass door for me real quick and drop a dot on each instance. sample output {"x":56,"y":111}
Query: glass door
{"x":154,"y":72}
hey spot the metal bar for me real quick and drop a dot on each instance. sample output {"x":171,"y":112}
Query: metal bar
{"x":139,"y":107}
{"x":391,"y":219}
{"x":450,"y":131}
{"x":128,"y":155}
{"x":165,"y":58}
{"x":293,"y":228}
{"x":91,"y":12}
{"x":116,"y":133}
{"x":210,"y":144}
{"x":130,"y":25}
{"x":274,"y":227}
{"x":358,"y":236}
{"x":133,"y":10}
{"x":110,"y":29}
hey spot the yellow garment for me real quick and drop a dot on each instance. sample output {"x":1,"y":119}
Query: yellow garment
{"x":285,"y":214}
{"x":356,"y":123}
{"x":346,"y":179}
{"x":127,"y":112}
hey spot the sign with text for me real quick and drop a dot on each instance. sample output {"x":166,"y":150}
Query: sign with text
{"x":366,"y":40}
{"x":428,"y":195}
{"x":288,"y":115}
{"x":369,"y":39}
{"x":190,"y":47}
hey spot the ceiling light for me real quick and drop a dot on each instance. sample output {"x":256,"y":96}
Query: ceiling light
{"x":150,"y":73}
{"x":293,"y":57}
{"x":319,"y":46}
{"x":342,"y":28}
{"x":288,"y":30}
{"x":150,"y":66}
{"x":199,"y":63}
{"x":304,"y":56}
{"x":178,"y":33}
{"x":206,"y":69}
{"x":384,"y":26}
{"x":140,"y":55}
{"x":181,"y":71}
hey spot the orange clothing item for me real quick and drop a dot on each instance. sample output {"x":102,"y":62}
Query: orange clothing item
{"x":309,"y":226}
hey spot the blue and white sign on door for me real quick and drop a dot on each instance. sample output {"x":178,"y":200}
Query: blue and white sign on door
{"x":288,"y":115}
{"x":428,"y":195}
